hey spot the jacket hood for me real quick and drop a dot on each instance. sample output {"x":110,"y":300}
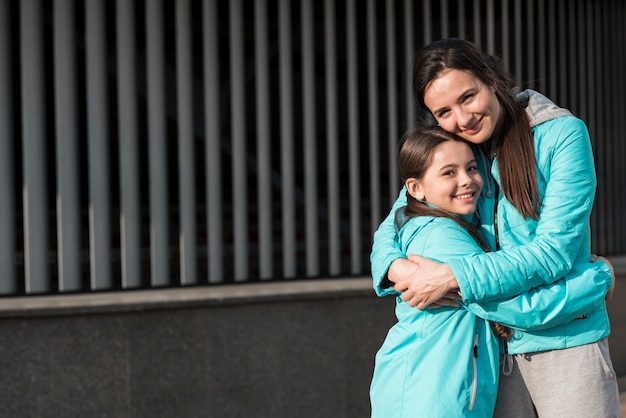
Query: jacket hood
{"x":539,"y":108}
{"x":401,"y":218}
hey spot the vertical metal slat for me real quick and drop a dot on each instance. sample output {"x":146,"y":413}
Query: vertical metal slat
{"x":391,"y":66}
{"x":445,"y":19}
{"x":98,"y":148}
{"x":477,"y":23}
{"x":620,"y":151}
{"x":34,"y":150}
{"x":8,"y":283}
{"x":238,"y":133}
{"x":409,"y":50}
{"x":462,"y":19}
{"x":157,"y":154}
{"x":582,"y":62}
{"x":541,"y":34}
{"x":563,"y":95}
{"x":130,"y":240}
{"x":491,"y":28}
{"x":427,"y":26}
{"x":572,"y":45}
{"x":591,"y":116}
{"x":286,"y":141}
{"x":613,"y":137}
{"x":372,"y":117}
{"x":215,"y":242}
{"x":332,"y":138}
{"x":186,"y":149}
{"x":353,"y":138}
{"x":310,"y":140}
{"x":600,"y":143}
{"x":264,"y":151}
{"x":517,"y":13}
{"x":67,"y":201}
{"x":552,"y":51}
{"x":506,"y":29}
{"x":530,"y":39}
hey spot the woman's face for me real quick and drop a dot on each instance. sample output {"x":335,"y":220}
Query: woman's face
{"x":452,"y":181}
{"x":464,"y":105}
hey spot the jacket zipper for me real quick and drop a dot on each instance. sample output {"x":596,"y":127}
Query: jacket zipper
{"x":495,"y":216}
{"x":474,"y":374}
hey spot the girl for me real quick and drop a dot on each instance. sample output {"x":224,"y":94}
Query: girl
{"x":444,"y":362}
{"x":535,"y":210}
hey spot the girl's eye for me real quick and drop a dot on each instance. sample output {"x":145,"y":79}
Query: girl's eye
{"x":468,"y":97}
{"x":472,"y":168}
{"x":442,"y":113}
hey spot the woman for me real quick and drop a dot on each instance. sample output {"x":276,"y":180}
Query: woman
{"x":535,"y":211}
{"x":444,"y":362}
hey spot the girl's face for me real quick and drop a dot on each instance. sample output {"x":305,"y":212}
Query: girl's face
{"x":464,"y":105}
{"x":452,"y":181}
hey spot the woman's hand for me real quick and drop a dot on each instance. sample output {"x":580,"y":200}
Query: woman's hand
{"x":609,"y":293}
{"x":421,"y":281}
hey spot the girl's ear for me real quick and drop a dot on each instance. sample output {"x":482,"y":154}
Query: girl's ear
{"x":414,"y":187}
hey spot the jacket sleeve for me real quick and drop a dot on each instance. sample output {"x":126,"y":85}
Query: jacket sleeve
{"x":385,"y":248}
{"x":550,"y":305}
{"x":566,"y":166}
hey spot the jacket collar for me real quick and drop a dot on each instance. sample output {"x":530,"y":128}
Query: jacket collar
{"x":539,"y":108}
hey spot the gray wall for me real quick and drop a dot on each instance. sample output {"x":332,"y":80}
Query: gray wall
{"x":289,"y":349}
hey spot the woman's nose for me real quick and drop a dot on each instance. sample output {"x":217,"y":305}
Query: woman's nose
{"x":463,"y":117}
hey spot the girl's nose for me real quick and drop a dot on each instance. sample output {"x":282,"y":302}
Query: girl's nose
{"x":464,"y":178}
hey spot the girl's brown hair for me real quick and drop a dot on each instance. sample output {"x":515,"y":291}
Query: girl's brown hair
{"x":416,"y":153}
{"x":513,"y":142}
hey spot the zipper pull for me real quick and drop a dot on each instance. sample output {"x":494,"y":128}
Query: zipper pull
{"x":507,"y":361}
{"x":475,"y":345}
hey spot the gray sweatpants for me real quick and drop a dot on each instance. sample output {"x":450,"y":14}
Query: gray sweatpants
{"x":573,"y":382}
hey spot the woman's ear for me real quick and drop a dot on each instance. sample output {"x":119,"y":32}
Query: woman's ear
{"x":414,"y":187}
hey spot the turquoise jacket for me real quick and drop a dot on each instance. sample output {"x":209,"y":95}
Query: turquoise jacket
{"x":534,"y":253}
{"x":444,"y":362}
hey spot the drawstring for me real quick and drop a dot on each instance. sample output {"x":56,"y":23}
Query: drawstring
{"x":487,"y":169}
{"x":507,"y":361}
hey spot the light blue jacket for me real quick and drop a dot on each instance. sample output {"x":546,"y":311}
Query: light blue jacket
{"x":444,"y":362}
{"x":533,"y":252}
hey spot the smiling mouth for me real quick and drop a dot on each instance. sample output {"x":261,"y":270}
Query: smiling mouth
{"x":465,"y":195}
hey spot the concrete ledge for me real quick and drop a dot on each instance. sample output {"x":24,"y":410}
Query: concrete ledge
{"x":186,"y":297}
